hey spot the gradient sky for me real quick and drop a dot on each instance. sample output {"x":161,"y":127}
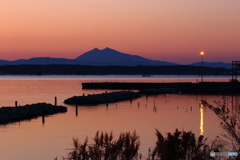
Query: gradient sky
{"x":173,"y":30}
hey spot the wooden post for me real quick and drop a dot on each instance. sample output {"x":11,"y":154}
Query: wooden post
{"x":43,"y":114}
{"x":138,"y":104}
{"x":77,"y":108}
{"x":16,"y":103}
{"x":55,"y":101}
{"x":43,"y":119}
{"x":106,"y":99}
{"x":107,"y":102}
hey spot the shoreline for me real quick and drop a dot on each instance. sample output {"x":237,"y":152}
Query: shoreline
{"x":114,"y":76}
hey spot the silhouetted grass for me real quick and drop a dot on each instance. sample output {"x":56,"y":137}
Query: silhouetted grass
{"x":182,"y":146}
{"x":105,"y":147}
{"x":177,"y":146}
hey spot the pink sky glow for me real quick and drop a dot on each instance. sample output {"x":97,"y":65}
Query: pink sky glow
{"x":173,"y":31}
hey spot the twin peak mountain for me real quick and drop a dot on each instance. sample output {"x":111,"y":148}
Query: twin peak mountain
{"x":110,"y":56}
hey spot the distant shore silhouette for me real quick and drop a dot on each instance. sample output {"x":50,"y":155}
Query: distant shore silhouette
{"x":105,"y":57}
{"x":110,"y":70}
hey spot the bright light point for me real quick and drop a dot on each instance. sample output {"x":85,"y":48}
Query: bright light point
{"x":202,"y":53}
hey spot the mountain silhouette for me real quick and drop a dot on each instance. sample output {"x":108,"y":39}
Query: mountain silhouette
{"x":110,"y":56}
{"x":104,"y":57}
{"x":213,"y":64}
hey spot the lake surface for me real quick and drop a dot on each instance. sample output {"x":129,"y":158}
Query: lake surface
{"x":31,"y":139}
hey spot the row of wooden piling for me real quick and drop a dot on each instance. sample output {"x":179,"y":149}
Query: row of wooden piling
{"x":138,"y":104}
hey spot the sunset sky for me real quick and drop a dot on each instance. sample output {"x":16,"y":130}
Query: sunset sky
{"x":165,"y":30}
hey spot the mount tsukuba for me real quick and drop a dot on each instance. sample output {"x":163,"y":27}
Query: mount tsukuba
{"x":110,"y":56}
{"x":104,"y":57}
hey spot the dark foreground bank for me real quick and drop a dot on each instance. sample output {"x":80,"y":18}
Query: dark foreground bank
{"x":14,"y":114}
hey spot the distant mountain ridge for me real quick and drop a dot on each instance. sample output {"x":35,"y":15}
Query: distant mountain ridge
{"x":213,"y":64}
{"x":104,"y":57}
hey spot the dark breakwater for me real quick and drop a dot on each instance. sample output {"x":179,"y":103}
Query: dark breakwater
{"x":14,"y":114}
{"x":184,"y":87}
{"x":103,"y":98}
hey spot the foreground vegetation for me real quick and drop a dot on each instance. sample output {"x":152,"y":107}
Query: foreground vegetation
{"x":229,"y":122}
{"x":179,"y":145}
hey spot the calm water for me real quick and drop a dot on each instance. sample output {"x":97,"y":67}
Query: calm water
{"x":34,"y":140}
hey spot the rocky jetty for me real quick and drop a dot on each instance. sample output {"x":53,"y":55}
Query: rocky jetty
{"x":14,"y":114}
{"x":155,"y":91}
{"x":103,"y":98}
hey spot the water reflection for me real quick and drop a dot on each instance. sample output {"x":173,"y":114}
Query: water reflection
{"x":56,"y":133}
{"x":201,"y":119}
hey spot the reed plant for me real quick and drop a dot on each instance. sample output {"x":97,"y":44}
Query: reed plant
{"x":106,"y":148}
{"x":182,"y":146}
{"x":178,"y":146}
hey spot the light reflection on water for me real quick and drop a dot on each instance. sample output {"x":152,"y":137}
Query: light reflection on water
{"x":201,"y":120}
{"x":31,"y":139}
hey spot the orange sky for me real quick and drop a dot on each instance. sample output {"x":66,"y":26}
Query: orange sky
{"x":174,"y":31}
